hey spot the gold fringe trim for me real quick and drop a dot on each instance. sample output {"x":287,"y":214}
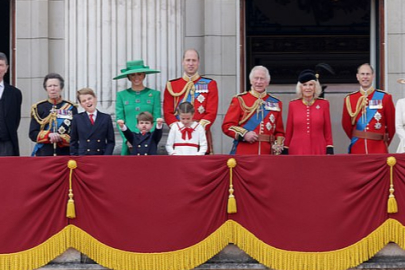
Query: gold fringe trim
{"x":230,"y":232}
{"x":390,"y":231}
{"x":38,"y":256}
{"x":187,"y":258}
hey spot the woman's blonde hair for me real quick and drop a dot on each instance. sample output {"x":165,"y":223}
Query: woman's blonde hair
{"x":318,"y":89}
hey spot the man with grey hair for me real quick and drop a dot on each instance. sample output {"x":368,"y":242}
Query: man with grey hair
{"x":10,"y":113}
{"x":254,"y":118}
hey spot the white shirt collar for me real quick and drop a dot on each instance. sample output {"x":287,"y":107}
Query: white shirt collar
{"x":93,"y":113}
{"x":1,"y":88}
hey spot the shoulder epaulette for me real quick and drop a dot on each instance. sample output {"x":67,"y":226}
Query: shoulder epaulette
{"x":71,"y":103}
{"x":39,"y":102}
{"x":352,"y":93}
{"x":241,"y":94}
{"x":273,"y":96}
{"x":382,"y":91}
{"x":175,"y":79}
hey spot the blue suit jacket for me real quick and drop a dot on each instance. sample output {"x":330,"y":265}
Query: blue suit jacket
{"x":143,"y":144}
{"x":88,"y":139}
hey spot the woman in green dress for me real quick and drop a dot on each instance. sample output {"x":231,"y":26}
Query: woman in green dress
{"x":136,"y":99}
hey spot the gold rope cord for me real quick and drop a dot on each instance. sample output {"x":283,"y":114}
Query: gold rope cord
{"x":392,"y":206}
{"x":70,"y":209}
{"x":248,"y":111}
{"x":359,"y":106}
{"x":231,"y":199}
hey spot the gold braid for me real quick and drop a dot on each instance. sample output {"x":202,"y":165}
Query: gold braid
{"x":248,"y":111}
{"x":49,"y":118}
{"x":361,"y":102}
{"x":41,"y":121}
{"x":186,"y":89}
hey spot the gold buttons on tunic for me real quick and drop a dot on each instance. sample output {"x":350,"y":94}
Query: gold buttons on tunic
{"x":308,"y":123}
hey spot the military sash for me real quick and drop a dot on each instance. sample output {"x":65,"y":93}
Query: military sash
{"x":361,"y":125}
{"x":61,"y":124}
{"x":201,"y":86}
{"x":254,"y":121}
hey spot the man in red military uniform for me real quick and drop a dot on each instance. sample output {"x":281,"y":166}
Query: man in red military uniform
{"x":200,"y":91}
{"x":368,"y":116}
{"x":254,"y":118}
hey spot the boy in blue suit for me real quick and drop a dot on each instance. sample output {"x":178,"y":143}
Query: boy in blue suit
{"x":144,"y":142}
{"x":92,"y":131}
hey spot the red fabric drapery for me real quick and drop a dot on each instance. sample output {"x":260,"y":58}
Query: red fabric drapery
{"x":164,"y":204}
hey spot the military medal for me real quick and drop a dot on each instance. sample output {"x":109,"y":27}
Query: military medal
{"x":201,"y":98}
{"x":64,"y":114}
{"x":67,"y":122}
{"x":272,"y":118}
{"x":272,"y":106}
{"x":201,"y":109}
{"x":377,"y":116}
{"x":375,"y":104}
{"x":201,"y":87}
{"x":61,"y":130}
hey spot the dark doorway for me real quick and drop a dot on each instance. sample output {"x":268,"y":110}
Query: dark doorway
{"x":5,"y":32}
{"x":288,"y":36}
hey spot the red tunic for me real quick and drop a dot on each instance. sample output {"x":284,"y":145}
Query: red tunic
{"x":309,"y":129}
{"x":239,"y":113}
{"x":384,"y":125}
{"x":205,"y":102}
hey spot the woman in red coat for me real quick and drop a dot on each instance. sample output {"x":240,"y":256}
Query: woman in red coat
{"x":309,"y":129}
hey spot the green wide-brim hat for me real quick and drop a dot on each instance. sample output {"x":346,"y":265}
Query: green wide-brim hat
{"x":136,"y":66}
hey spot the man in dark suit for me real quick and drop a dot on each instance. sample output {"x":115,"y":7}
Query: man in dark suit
{"x":10,"y":113}
{"x":92,"y":131}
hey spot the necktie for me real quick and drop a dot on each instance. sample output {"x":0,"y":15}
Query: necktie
{"x":91,"y":118}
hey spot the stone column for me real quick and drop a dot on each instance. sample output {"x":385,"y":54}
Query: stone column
{"x":212,"y":27}
{"x":395,"y":55}
{"x":102,"y":35}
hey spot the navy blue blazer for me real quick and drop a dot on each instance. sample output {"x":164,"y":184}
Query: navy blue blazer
{"x":88,"y":139}
{"x":144,"y":144}
{"x":12,"y":113}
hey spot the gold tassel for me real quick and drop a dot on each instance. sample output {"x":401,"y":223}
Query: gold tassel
{"x":231,"y":200}
{"x":70,"y":210}
{"x":392,"y":206}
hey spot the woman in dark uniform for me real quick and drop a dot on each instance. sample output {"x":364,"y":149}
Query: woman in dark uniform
{"x":51,"y":120}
